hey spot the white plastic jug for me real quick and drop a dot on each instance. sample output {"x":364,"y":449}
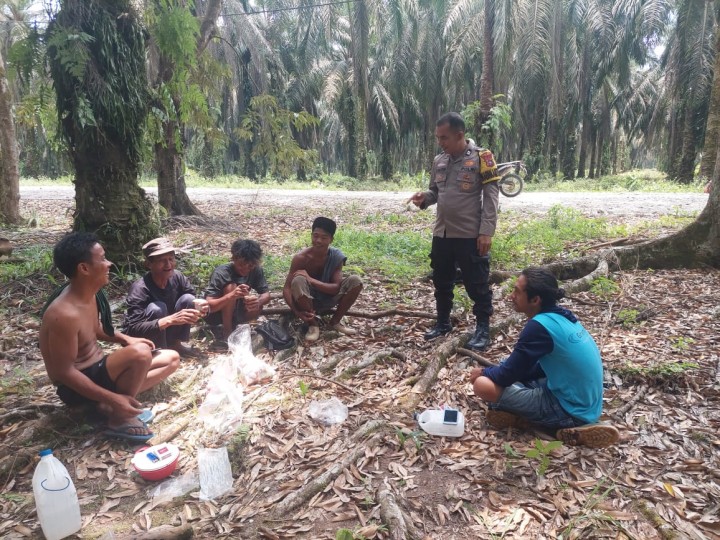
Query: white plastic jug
{"x":56,"y":500}
{"x":442,"y":422}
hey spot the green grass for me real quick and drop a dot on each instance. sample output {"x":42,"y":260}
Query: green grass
{"x":398,"y":256}
{"x":36,"y":259}
{"x":644,"y":180}
{"x":520,"y":242}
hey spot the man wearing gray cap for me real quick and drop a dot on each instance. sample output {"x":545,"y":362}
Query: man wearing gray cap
{"x":160,"y":304}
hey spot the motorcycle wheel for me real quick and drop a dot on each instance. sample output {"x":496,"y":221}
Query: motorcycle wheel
{"x":511,"y":185}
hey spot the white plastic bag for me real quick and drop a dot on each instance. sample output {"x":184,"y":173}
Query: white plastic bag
{"x":222,"y":408}
{"x":329,"y":411}
{"x":252,"y":370}
{"x":215,"y":473}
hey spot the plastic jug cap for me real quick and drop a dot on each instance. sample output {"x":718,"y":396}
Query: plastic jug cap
{"x":45,"y":452}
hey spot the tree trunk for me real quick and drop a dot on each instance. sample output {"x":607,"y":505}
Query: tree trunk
{"x":487,"y":77}
{"x":170,"y":152}
{"x":586,"y":74}
{"x":360,"y":48}
{"x":106,"y":152}
{"x":686,"y":167}
{"x":9,"y":161}
{"x":109,"y":201}
{"x":712,"y":131}
{"x":593,"y":152}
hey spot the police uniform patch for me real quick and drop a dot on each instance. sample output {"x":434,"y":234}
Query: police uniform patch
{"x":466,"y":186}
{"x":469,"y":163}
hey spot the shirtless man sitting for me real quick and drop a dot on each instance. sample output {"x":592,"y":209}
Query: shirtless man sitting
{"x":315,"y":283}
{"x":73,"y":358}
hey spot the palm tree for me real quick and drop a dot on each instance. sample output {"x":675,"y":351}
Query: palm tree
{"x":102,"y":102}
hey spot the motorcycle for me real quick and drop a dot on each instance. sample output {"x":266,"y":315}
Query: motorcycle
{"x":511,"y":183}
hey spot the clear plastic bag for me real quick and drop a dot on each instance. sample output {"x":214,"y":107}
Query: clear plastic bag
{"x":222,"y":408}
{"x":175,"y":487}
{"x":329,"y":411}
{"x":215,"y":473}
{"x":252,"y":370}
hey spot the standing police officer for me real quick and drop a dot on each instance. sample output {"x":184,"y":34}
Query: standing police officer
{"x":464,"y":184}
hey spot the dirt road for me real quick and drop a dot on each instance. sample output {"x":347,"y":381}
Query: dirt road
{"x":637,"y":205}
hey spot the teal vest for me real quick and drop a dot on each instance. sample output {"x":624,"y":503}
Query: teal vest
{"x":573,"y":368}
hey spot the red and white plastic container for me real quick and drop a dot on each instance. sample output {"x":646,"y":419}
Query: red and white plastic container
{"x":156,"y":462}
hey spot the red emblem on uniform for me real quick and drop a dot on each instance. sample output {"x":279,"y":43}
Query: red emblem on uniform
{"x":469,"y":163}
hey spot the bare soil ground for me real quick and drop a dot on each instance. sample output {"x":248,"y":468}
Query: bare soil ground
{"x":662,"y":392}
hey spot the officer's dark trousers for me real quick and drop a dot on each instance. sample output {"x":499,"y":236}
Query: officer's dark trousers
{"x":445,"y":255}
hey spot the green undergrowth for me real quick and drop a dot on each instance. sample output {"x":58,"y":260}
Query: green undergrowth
{"x":31,"y":260}
{"x":521,"y":242}
{"x":656,"y":374}
{"x":397,"y":246}
{"x":643,"y":180}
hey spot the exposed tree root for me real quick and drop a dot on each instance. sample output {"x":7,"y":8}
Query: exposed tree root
{"x":362,"y":314}
{"x":664,"y":529}
{"x":313,"y":376}
{"x":27,"y":412}
{"x":476,"y":356}
{"x":369,"y":360}
{"x":304,"y":494}
{"x":398,"y":523}
{"x":442,"y":353}
{"x":429,"y":376}
{"x":618,"y":413}
{"x":585,"y":282}
{"x":283,"y":355}
{"x":334,"y":360}
{"x":17,"y":460}
{"x":169,"y":433}
{"x":166,"y":532}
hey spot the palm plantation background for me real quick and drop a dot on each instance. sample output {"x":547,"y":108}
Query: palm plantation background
{"x":302,"y":89}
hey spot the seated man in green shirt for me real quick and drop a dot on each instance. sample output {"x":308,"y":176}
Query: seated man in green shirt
{"x":230,"y":291}
{"x":554,"y":376}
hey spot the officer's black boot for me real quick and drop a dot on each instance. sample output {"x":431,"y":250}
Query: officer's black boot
{"x":481,"y":338}
{"x":442,"y":327}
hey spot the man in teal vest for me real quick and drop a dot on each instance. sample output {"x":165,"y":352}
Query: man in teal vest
{"x":554,"y":376}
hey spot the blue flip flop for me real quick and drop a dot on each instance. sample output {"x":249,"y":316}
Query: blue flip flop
{"x":124,"y":431}
{"x":146,"y":416}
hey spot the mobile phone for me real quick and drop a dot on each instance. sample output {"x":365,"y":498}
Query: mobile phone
{"x":451,"y":416}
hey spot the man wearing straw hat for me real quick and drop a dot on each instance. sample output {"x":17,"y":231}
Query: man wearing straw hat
{"x":160,"y":305}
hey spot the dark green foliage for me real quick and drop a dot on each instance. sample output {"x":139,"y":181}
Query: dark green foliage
{"x":96,"y":52}
{"x":97,"y":60}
